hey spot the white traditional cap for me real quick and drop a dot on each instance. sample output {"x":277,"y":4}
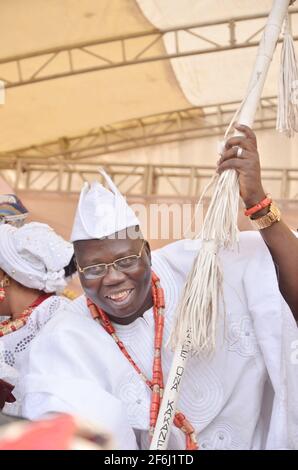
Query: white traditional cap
{"x":35,"y":256}
{"x":101,"y":212}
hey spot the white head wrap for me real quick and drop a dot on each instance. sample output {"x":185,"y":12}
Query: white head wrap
{"x":35,"y":256}
{"x":101,"y":212}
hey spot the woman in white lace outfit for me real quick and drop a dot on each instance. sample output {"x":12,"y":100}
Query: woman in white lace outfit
{"x":34,"y":265}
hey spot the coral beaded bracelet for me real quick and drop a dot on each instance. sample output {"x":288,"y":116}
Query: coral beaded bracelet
{"x":261,"y":205}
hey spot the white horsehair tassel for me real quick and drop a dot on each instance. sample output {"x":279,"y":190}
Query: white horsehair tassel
{"x":287,"y":109}
{"x":198,"y":307}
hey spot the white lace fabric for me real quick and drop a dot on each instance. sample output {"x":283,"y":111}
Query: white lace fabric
{"x":14,"y":346}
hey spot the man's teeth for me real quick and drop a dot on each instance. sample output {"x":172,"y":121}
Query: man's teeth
{"x":120,"y":295}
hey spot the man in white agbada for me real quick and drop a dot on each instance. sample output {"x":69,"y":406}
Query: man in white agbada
{"x":239,"y":398}
{"x":33,"y":260}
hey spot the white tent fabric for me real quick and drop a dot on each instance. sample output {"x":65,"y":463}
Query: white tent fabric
{"x":199,"y":76}
{"x":73,"y":105}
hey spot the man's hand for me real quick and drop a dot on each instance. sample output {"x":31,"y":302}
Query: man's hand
{"x":281,"y":242}
{"x":5,"y":393}
{"x":247,"y":166}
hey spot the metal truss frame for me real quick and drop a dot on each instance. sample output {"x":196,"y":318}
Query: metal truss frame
{"x":62,"y":165}
{"x":137,"y":48}
{"x":132,"y":178}
{"x":178,"y":125}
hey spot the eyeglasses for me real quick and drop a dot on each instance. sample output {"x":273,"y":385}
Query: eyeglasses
{"x":121,"y":264}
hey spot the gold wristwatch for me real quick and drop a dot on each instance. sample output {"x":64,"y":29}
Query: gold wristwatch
{"x":268,"y":219}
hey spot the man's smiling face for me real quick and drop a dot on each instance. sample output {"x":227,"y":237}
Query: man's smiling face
{"x":123,"y":295}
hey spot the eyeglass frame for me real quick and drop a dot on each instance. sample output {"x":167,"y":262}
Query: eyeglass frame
{"x":81,"y":270}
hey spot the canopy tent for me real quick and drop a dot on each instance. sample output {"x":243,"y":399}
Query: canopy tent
{"x":37,"y":33}
{"x":82,"y":75}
